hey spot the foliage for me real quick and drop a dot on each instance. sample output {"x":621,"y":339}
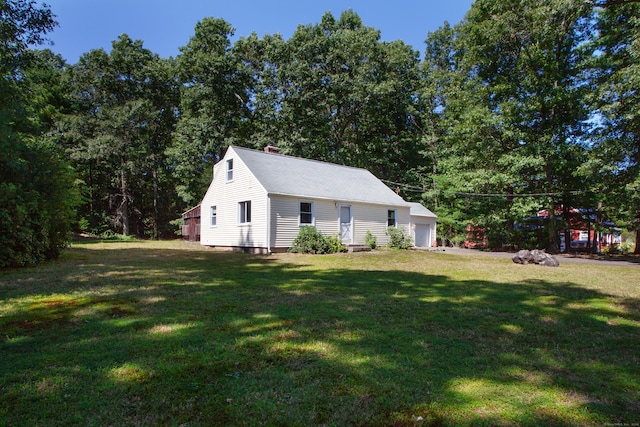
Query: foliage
{"x":311,"y":241}
{"x":399,"y":238}
{"x":522,"y":106}
{"x":335,"y":244}
{"x":615,"y":155}
{"x":342,"y":95}
{"x":125,"y":114}
{"x":213,"y":106}
{"x":511,"y":112}
{"x":111,"y":236}
{"x":38,"y":191}
{"x":370,"y":240}
{"x":305,"y":340}
{"x":177,"y":224}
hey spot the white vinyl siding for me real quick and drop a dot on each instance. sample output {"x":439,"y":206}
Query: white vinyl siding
{"x":285,"y":220}
{"x":228,"y":195}
{"x":375,"y":219}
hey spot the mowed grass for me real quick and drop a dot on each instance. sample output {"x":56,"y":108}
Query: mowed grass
{"x":168,"y":333}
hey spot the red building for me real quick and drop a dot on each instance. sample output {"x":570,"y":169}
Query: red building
{"x":191,"y":224}
{"x":587,"y":231}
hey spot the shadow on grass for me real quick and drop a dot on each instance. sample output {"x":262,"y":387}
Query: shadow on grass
{"x":139,"y":336}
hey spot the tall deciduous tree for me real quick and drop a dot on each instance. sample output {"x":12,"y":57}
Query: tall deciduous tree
{"x":126,"y":113}
{"x":516,"y":117}
{"x":214,"y":106}
{"x":616,"y":152}
{"x":344,"y":96}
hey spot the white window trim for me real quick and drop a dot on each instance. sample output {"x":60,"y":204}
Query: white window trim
{"x":395,"y":218}
{"x":215,"y":207}
{"x":229,"y":170}
{"x":240,"y":203}
{"x":313,"y":214}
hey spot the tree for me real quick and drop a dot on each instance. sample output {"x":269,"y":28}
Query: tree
{"x":346,"y":97}
{"x":515,"y":109}
{"x":214,"y":106}
{"x":37,"y":192}
{"x":126,"y":104}
{"x":616,"y":150}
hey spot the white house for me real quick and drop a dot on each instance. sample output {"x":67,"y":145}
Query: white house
{"x":258,"y":201}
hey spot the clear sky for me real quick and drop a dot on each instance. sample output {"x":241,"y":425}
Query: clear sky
{"x":164,"y":26}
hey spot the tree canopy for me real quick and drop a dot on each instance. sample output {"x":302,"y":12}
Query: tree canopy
{"x":522,"y":106}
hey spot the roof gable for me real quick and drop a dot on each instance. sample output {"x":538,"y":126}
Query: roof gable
{"x":295,"y":176}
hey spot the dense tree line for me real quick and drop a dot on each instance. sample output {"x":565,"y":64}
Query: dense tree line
{"x":522,"y":106}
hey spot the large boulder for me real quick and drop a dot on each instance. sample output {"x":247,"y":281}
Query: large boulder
{"x":543,"y":258}
{"x":523,"y":257}
{"x":535,"y":256}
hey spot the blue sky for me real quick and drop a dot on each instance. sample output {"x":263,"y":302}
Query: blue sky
{"x":164,"y":26}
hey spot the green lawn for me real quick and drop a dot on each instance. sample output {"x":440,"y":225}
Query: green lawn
{"x":167,"y":333}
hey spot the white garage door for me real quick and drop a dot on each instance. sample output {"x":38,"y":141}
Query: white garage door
{"x":423,"y":235}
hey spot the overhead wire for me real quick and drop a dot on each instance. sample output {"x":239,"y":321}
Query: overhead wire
{"x":416,"y":189}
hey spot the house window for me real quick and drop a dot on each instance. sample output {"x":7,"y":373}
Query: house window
{"x":214,"y":216}
{"x":230,"y":170}
{"x":306,"y":213}
{"x":391,"y":218}
{"x":244,"y":212}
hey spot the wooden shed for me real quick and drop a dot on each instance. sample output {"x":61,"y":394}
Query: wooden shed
{"x":191,"y":224}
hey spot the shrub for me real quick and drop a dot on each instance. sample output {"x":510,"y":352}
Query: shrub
{"x":398,"y":238}
{"x":177,"y":226}
{"x":310,"y":241}
{"x":370,"y":240}
{"x":335,"y":244}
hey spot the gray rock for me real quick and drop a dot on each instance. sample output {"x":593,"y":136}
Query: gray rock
{"x":543,"y":258}
{"x":535,"y":256}
{"x":522,"y":257}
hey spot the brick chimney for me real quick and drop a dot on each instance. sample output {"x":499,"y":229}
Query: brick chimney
{"x":272,"y":149}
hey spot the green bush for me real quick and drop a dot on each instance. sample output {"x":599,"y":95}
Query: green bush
{"x":311,"y":241}
{"x":111,"y":235}
{"x":398,"y":238}
{"x":335,"y":244}
{"x":370,"y":240}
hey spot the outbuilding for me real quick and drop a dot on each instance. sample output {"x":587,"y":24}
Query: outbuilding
{"x":423,"y":226}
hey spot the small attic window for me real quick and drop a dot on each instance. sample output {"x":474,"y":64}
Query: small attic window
{"x":230,"y":170}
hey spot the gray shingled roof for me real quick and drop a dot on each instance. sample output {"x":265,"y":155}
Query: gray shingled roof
{"x":294,"y":176}
{"x":418,"y":210}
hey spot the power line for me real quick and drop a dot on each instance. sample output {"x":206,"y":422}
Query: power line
{"x":573,"y":193}
{"x":405,"y":187}
{"x":416,"y":189}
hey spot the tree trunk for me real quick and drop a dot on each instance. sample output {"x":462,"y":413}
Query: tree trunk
{"x":155,"y":201}
{"x":566,"y":214}
{"x":123,"y":208}
{"x":552,"y":243}
{"x":637,"y":249}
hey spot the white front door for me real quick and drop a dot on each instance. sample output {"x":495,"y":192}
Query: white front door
{"x":346,"y":226}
